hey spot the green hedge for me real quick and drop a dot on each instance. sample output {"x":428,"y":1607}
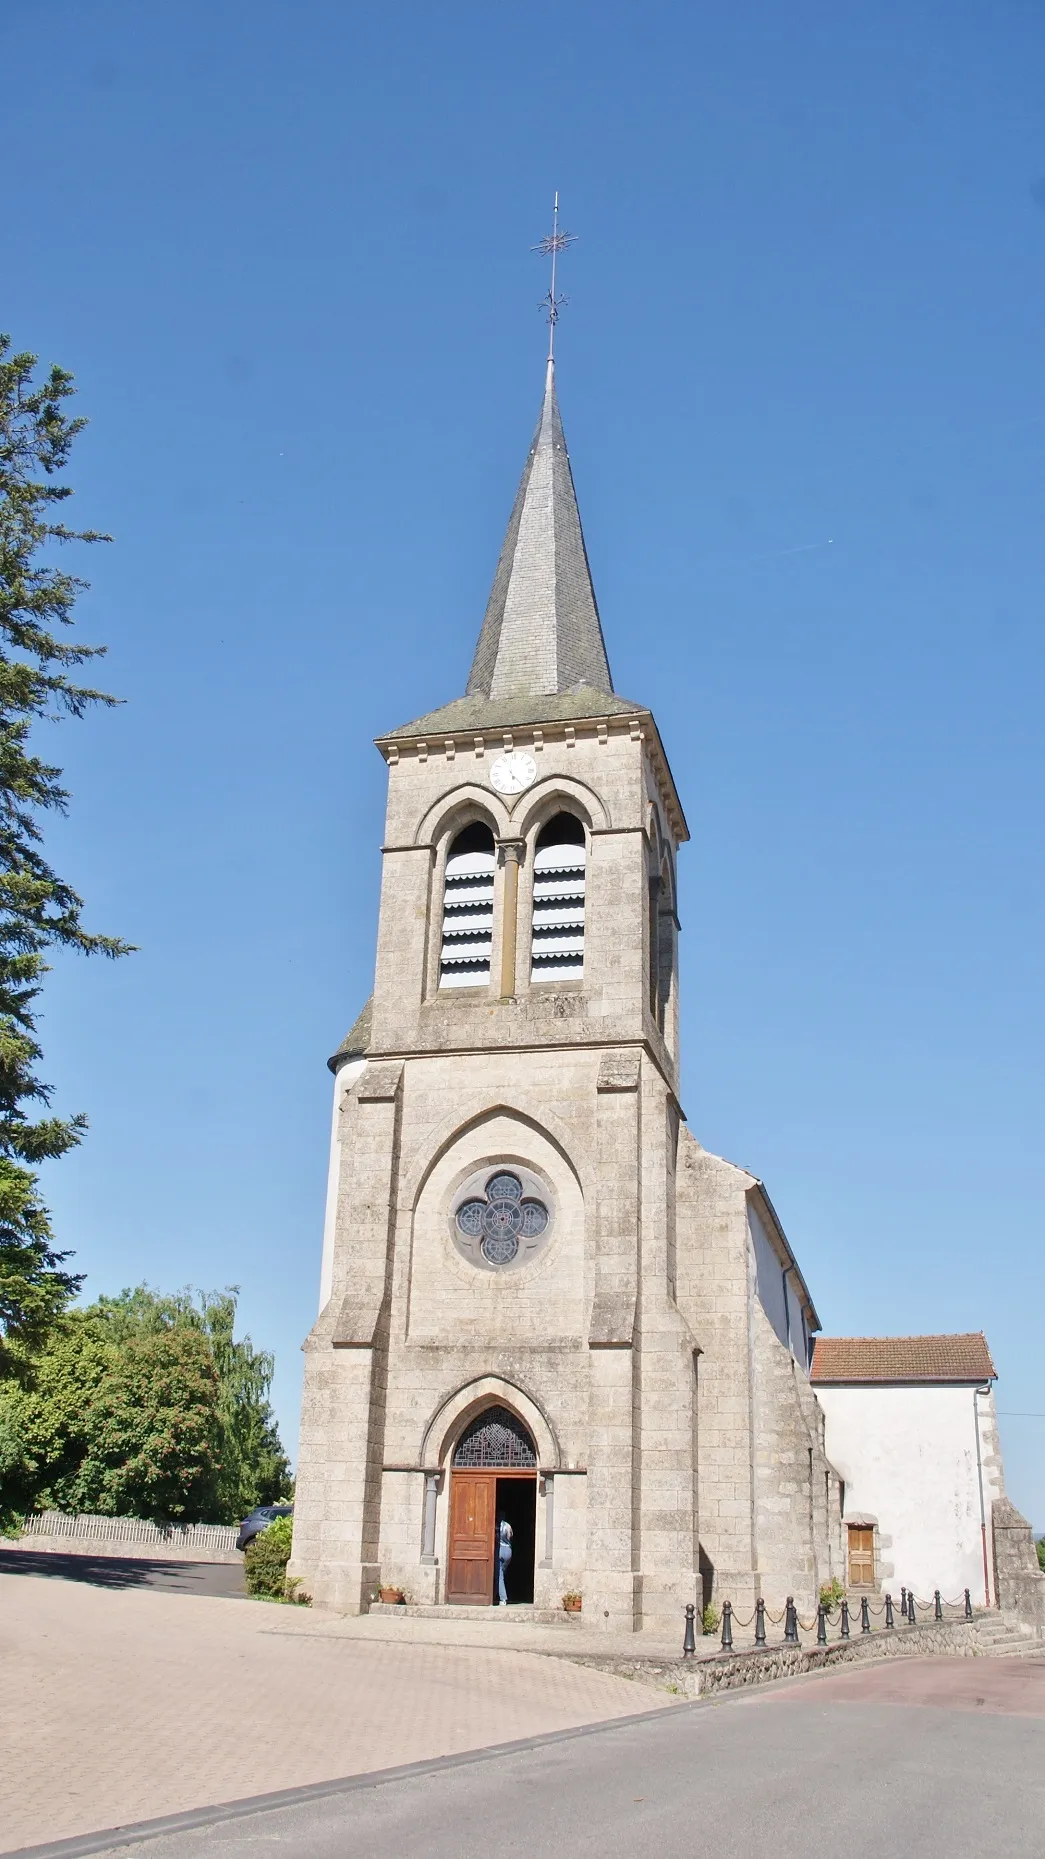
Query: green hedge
{"x":265,"y":1561}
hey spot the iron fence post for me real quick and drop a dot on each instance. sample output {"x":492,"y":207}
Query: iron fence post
{"x":937,"y":1605}
{"x":911,"y":1621}
{"x":865,"y":1616}
{"x":968,"y":1605}
{"x":760,"y":1623}
{"x":844,"y":1630}
{"x":790,"y":1621}
{"x":903,"y":1602}
{"x":821,"y":1626}
{"x":727,"y":1626}
{"x":689,"y":1644}
{"x":889,"y":1621}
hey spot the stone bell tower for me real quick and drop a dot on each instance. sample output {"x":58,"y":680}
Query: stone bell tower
{"x":499,"y":1334}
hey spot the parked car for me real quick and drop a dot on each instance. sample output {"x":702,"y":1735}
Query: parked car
{"x":259,"y":1520}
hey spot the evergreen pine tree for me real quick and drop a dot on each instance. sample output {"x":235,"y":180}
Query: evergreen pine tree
{"x":38,"y":909}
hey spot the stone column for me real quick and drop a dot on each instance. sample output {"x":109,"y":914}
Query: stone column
{"x":511,"y":855}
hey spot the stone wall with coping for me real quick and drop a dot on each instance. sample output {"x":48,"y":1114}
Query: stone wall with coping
{"x":107,"y":1548}
{"x":712,"y":1671}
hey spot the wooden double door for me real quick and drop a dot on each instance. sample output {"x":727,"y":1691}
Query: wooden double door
{"x":478,"y":1501}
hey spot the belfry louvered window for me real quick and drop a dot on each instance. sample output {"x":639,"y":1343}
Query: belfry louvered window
{"x":559,"y":862}
{"x":464,"y":957}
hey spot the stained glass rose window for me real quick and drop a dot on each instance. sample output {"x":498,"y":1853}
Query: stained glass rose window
{"x":501,"y":1216}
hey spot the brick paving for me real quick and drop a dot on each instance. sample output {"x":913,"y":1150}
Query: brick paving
{"x":1004,"y":1687}
{"x":121,"y":1704}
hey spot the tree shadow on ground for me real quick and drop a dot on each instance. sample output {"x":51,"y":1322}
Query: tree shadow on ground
{"x":100,"y":1571}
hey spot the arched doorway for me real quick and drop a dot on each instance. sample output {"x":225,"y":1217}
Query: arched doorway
{"x":493,"y":1477}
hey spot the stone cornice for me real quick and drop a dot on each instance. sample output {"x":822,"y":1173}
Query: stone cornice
{"x":534,"y":1045}
{"x":639,"y":726}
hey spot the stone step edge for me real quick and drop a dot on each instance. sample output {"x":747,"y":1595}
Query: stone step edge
{"x":511,"y":1616}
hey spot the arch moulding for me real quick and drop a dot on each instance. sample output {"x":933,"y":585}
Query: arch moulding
{"x":415,"y":1172}
{"x":466,"y":802}
{"x":453,"y":1414}
{"x":538,"y":803}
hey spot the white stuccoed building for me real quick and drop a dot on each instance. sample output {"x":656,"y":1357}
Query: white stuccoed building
{"x":912,"y":1434}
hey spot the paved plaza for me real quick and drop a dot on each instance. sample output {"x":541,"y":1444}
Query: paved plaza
{"x":125,"y":1703}
{"x":122,"y":1702}
{"x":913,"y":1760}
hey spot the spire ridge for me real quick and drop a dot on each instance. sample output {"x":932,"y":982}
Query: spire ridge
{"x":542,"y":633}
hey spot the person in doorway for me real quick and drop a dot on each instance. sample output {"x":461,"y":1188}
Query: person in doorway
{"x":504,"y":1556}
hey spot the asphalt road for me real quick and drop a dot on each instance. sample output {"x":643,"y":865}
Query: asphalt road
{"x":925,"y":1759}
{"x":101,"y":1571}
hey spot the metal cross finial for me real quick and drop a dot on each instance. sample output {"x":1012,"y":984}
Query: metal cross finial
{"x":550,"y":247}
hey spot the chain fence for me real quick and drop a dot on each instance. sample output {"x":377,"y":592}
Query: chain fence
{"x":841,"y":1614}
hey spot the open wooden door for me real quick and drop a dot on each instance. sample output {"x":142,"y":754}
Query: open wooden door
{"x":473,"y":1516}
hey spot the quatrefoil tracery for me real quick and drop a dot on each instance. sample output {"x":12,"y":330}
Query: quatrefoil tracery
{"x":503,"y":1218}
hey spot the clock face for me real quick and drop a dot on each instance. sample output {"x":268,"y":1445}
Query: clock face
{"x":513,"y":772}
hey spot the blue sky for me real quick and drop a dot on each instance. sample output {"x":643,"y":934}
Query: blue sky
{"x":285,"y":250}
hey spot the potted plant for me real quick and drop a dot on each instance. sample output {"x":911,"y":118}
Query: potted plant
{"x":572,"y":1602}
{"x":392,"y":1597}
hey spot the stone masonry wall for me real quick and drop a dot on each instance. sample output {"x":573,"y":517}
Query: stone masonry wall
{"x":1018,"y":1581}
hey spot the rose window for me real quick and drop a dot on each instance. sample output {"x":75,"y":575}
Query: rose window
{"x":501,"y":1219}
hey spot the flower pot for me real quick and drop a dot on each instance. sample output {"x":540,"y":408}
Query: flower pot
{"x":572,"y":1604}
{"x":391,"y":1597}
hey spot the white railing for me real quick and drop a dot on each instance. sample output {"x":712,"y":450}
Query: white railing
{"x":52,"y":1523}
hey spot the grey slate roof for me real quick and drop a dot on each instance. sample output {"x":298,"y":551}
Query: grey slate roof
{"x":478,"y":712}
{"x":357,"y":1040}
{"x":541,"y":634}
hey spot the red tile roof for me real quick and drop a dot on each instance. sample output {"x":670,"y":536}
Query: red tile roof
{"x":902,"y":1358}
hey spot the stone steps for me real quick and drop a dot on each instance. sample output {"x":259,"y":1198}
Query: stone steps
{"x":1006,"y":1638}
{"x":519,"y":1615}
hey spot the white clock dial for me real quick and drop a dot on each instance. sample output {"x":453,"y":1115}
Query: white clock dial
{"x":513,"y":772}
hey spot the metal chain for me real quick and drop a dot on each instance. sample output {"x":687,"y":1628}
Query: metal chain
{"x":832,"y":1614}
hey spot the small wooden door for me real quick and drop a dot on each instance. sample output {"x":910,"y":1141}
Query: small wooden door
{"x":473,"y":1516}
{"x":861,"y":1557}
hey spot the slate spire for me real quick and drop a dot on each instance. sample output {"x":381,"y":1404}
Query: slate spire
{"x":541,"y":634}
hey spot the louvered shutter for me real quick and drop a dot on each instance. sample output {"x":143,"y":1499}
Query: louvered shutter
{"x":464,"y":959}
{"x":557,"y":949}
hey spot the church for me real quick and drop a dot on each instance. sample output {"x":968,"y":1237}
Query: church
{"x":543,"y":1303}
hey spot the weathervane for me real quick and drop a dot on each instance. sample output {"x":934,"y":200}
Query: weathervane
{"x":550,"y":247}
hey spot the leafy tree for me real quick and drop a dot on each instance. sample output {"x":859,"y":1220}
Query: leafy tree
{"x":154,"y":1433}
{"x":144,"y":1403}
{"x":254,"y":1466}
{"x":38,"y":909}
{"x":45,"y":1416}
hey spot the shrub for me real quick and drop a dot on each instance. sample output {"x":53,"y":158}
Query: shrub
{"x":265,"y":1562}
{"x":710,"y":1618}
{"x":1041,"y":1553}
{"x":832,"y":1593}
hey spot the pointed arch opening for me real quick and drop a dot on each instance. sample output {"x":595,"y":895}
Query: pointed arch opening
{"x":493,"y":1511}
{"x":559,"y":871}
{"x":467,"y":932}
